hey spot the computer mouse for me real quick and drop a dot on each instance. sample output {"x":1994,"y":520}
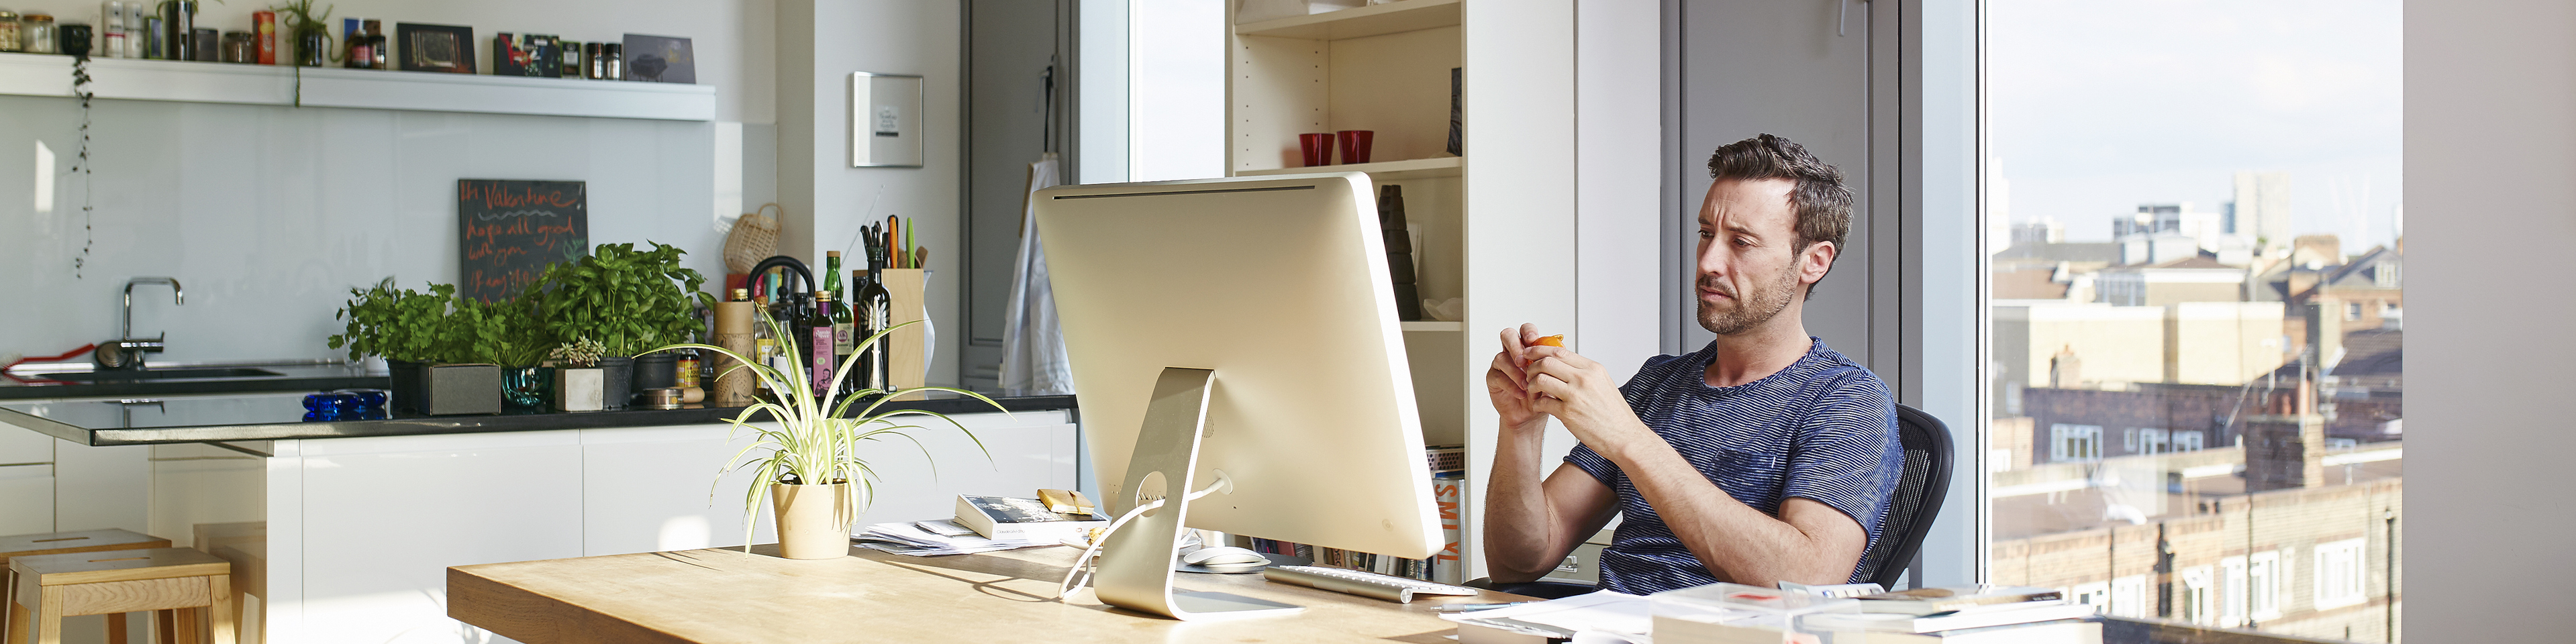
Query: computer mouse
{"x":1223,"y":556}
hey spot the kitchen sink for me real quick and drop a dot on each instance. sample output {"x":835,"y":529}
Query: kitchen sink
{"x":158,"y":374}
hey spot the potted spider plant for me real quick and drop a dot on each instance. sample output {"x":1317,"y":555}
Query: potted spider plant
{"x":805,"y":456}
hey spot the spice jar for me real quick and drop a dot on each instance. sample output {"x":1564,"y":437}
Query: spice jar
{"x":9,"y":31}
{"x":36,"y":33}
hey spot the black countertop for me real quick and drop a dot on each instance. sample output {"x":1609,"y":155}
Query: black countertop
{"x":290,"y":377}
{"x":279,"y":416}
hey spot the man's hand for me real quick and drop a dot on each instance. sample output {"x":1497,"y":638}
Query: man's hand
{"x":1580,"y":392}
{"x":1507,"y":383}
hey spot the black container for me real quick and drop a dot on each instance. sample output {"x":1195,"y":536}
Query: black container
{"x":179,"y":29}
{"x":657,"y":371}
{"x":308,"y":47}
{"x":203,"y":44}
{"x":616,"y":382}
{"x":72,"y":39}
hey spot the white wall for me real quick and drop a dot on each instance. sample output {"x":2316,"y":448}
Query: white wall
{"x":1618,"y":153}
{"x":1176,"y":71}
{"x":2490,"y":85}
{"x":268,"y":215}
{"x":820,"y":43}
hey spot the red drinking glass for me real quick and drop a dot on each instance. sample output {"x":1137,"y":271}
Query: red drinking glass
{"x":1355,"y":145}
{"x":1318,"y":148}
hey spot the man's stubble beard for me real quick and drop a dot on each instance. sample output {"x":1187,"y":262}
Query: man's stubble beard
{"x":1761,"y":307}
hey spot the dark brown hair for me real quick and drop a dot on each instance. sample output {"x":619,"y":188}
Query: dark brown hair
{"x":1822,"y":202}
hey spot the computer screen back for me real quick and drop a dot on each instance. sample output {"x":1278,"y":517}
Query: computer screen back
{"x":1280,"y":285}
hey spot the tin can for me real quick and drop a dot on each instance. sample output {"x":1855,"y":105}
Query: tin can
{"x":264,"y":35}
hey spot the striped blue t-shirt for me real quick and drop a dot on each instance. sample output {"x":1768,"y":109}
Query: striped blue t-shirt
{"x":1822,"y":429}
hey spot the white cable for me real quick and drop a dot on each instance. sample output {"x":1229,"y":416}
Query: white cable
{"x":1076,"y":578}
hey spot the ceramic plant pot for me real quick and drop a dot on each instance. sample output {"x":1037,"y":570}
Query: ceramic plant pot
{"x":813,"y":520}
{"x":578,"y":388}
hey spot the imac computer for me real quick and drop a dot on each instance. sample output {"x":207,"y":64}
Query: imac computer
{"x":1237,"y":335}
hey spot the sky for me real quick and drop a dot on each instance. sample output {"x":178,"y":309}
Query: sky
{"x":2094,"y":107}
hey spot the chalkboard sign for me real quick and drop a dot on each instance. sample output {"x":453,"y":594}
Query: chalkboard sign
{"x":510,"y":230}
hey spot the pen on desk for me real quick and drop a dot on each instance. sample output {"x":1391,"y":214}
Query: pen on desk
{"x":1461,"y":608}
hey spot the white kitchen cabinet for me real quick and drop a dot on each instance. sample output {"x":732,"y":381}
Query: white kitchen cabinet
{"x":27,"y":498}
{"x":360,"y":531}
{"x":385,"y":517}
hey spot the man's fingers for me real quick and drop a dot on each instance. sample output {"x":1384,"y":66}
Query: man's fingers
{"x":1513,"y":346}
{"x":1509,"y":368}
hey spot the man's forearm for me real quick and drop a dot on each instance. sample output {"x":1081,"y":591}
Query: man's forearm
{"x":1519,"y":526}
{"x":1734,"y":541}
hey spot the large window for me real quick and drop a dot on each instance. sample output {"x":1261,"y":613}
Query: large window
{"x":2195,"y":260}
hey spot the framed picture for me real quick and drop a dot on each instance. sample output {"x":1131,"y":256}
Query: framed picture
{"x":885,"y":120}
{"x":660,"y":59}
{"x":435,"y":48}
{"x":526,"y":55}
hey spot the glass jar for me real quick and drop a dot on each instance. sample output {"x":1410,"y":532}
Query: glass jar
{"x":36,"y":33}
{"x":238,"y":48}
{"x":9,"y":31}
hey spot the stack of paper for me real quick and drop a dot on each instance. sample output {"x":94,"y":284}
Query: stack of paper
{"x":938,"y":537}
{"x":1602,"y":616}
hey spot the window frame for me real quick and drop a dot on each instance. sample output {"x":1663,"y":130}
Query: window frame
{"x":2265,"y":591}
{"x":2342,"y":575}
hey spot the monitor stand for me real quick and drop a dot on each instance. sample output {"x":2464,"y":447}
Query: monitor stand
{"x":1136,"y":562}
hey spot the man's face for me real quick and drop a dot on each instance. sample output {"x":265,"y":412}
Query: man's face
{"x":1749,"y":268}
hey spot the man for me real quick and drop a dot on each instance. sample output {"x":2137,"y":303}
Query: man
{"x":1763,"y":457}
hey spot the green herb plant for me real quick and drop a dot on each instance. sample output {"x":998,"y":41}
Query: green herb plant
{"x":399,"y":324}
{"x":625,"y":299}
{"x":811,"y":440}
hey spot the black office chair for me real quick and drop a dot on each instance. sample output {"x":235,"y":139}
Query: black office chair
{"x":1920,"y":488}
{"x":1917,"y":501}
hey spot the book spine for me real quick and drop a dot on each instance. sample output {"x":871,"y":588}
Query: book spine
{"x":1450,"y":495}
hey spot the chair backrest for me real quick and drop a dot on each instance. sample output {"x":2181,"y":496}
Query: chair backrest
{"x":1919,"y":492}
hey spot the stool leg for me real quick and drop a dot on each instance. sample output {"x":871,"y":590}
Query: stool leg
{"x":10,"y":614}
{"x":168,"y":630}
{"x":116,"y":629}
{"x":221,"y":628}
{"x":14,"y":630}
{"x":48,"y":623}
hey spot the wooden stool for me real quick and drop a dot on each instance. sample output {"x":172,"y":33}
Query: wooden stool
{"x":181,"y":585}
{"x":26,"y":545}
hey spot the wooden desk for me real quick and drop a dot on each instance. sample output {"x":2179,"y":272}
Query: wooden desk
{"x":724,"y":595}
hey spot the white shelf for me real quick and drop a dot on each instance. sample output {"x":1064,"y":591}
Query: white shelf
{"x":1414,"y":327}
{"x":200,"y":82}
{"x":1378,"y":170}
{"x":1373,"y":20}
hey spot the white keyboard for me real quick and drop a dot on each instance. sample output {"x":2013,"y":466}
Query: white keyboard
{"x":1367,"y":584}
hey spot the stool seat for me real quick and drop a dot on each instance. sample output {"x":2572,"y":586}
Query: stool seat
{"x":24,"y":545}
{"x":119,"y":565}
{"x":28,"y":545}
{"x":181,"y":583}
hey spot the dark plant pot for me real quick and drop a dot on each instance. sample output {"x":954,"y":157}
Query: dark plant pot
{"x":308,"y":48}
{"x":446,"y":389}
{"x":617,"y":383}
{"x":527,"y":387}
{"x":657,"y":371}
{"x":407,"y":375}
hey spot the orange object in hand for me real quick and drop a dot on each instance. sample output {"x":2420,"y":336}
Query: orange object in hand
{"x":1552,"y":341}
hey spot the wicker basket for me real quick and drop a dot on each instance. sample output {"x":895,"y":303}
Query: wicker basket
{"x":754,"y":238}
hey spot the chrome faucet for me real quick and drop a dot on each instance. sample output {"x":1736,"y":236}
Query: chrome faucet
{"x":126,"y":351}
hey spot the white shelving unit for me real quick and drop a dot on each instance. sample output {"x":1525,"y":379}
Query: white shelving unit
{"x":201,"y":82}
{"x":1499,"y":234}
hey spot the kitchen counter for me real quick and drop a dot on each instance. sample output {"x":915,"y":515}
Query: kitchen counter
{"x":289,"y":377}
{"x":272,"y":416}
